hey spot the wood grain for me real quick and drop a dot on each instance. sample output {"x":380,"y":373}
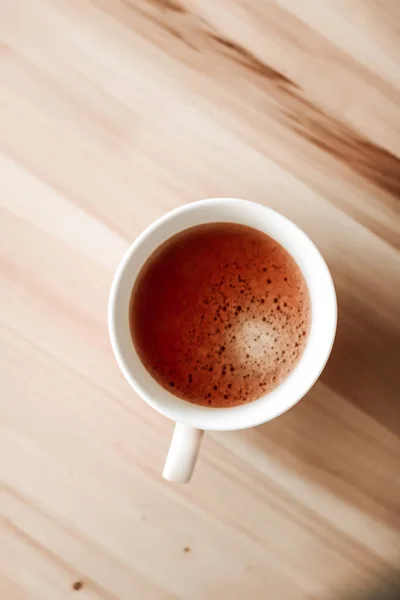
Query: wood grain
{"x":112,"y":112}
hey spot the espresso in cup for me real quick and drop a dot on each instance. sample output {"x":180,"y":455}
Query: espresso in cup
{"x":220,"y":314}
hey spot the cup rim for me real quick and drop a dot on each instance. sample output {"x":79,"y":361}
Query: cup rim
{"x":201,"y":417}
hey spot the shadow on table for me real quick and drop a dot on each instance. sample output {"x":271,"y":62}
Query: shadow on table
{"x":363,"y":367}
{"x":326,"y":440}
{"x":388,"y":588}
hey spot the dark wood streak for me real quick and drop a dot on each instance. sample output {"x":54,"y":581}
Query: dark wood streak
{"x":167,"y":5}
{"x":331,"y":135}
{"x":369,"y":160}
{"x":325,"y":131}
{"x":247,"y":59}
{"x":158,"y":17}
{"x":177,"y":34}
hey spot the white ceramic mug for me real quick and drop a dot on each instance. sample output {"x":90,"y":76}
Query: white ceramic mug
{"x":192,"y":420}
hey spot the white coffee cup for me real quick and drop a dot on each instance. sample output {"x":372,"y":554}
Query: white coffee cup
{"x":192,"y":420}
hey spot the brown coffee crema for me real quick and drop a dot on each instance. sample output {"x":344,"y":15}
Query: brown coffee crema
{"x":220,"y":314}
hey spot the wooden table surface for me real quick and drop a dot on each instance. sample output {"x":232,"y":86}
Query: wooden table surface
{"x":113,"y":112}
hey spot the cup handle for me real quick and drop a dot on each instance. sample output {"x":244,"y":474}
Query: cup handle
{"x":182,"y":453}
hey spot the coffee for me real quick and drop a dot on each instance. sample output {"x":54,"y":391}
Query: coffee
{"x":220,"y":314}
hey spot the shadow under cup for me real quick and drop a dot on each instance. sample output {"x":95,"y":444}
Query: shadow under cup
{"x":323,"y":314}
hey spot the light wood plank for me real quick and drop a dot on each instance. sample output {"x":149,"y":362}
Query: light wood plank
{"x":113,"y":112}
